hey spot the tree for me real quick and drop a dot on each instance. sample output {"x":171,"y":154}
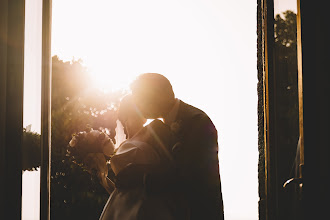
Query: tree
{"x":76,"y":104}
{"x":30,"y":150}
{"x":286,"y":71}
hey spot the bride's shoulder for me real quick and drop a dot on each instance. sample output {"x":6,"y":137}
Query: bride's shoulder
{"x":127,"y":145}
{"x":133,"y":144}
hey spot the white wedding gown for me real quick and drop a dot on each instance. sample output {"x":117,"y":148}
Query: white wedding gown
{"x":133,"y":203}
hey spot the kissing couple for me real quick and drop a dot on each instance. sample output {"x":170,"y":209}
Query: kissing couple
{"x":168,"y":169}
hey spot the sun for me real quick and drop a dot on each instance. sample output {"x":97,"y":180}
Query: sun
{"x":109,"y":79}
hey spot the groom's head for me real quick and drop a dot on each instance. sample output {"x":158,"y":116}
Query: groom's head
{"x":153,"y":94}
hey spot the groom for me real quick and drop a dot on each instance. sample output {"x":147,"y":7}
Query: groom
{"x":196,"y":156}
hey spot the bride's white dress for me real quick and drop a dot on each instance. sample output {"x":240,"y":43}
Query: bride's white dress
{"x":133,"y":203}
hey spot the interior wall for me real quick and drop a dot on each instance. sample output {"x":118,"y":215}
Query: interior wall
{"x":316,"y":100}
{"x":11,"y":108}
{"x":3,"y":66}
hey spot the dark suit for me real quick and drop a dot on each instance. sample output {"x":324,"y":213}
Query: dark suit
{"x":197,"y":162}
{"x":194,"y":177}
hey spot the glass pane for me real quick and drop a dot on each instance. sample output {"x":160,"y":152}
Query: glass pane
{"x":286,"y":87}
{"x":32,"y":111}
{"x":202,"y":47}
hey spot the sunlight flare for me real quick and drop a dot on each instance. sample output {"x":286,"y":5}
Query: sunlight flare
{"x":107,"y":80}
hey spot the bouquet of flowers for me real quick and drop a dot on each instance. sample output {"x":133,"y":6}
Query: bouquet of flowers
{"x":91,"y":150}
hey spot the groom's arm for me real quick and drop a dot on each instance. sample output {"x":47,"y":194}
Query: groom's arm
{"x":156,"y":178}
{"x":199,"y":166}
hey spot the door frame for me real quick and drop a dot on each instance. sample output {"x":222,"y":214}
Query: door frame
{"x":46,"y":83}
{"x":12,"y":28}
{"x":267,"y":120}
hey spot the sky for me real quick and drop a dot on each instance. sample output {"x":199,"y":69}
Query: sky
{"x":283,"y":5}
{"x":32,"y":102}
{"x":206,"y":48}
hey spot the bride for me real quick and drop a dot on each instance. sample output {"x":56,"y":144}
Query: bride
{"x":144,"y":156}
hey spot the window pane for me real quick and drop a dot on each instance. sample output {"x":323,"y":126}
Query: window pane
{"x":286,"y":88}
{"x":32,"y":111}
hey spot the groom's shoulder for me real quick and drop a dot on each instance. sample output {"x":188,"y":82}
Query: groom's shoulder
{"x":196,"y":118}
{"x":193,"y":113}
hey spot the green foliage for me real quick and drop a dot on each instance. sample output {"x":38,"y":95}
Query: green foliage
{"x":286,"y":70}
{"x":286,"y":29}
{"x":76,"y":104}
{"x":31,"y":150}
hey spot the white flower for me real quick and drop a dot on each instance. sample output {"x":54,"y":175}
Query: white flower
{"x":73,"y":141}
{"x":94,"y":133}
{"x":82,"y":134}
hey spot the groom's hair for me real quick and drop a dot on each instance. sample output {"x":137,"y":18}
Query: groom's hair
{"x":153,"y":85}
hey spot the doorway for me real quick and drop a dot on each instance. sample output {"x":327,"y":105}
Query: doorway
{"x":202,"y":47}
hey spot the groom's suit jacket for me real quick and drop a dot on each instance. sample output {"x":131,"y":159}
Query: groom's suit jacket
{"x":194,"y":178}
{"x":197,"y":162}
